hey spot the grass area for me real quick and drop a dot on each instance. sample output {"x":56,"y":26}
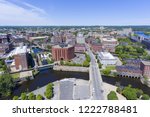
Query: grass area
{"x":107,"y":70}
{"x":111,"y":67}
{"x":15,"y":76}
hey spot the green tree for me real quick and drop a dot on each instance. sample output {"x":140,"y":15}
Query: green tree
{"x":130,"y":93}
{"x":31,"y":96}
{"x":15,"y":98}
{"x":85,"y":63}
{"x":49,"y":91}
{"x":5,"y":68}
{"x":39,"y":97}
{"x":6,"y":85}
{"x":112,"y":96}
{"x":106,"y":72}
{"x":24,"y":96}
{"x":139,"y":93}
{"x":145,"y":97}
{"x":61,"y":62}
{"x":119,"y":90}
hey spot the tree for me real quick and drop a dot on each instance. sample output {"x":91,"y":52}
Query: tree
{"x":106,"y":71}
{"x":139,"y":93}
{"x":85,"y":63}
{"x":61,"y":62}
{"x":5,"y":68}
{"x":112,"y":96}
{"x":15,"y":98}
{"x":130,"y":93}
{"x":100,"y":65}
{"x":49,"y":91}
{"x":39,"y":97}
{"x":24,"y":96}
{"x":145,"y":97}
{"x":49,"y":47}
{"x":119,"y":90}
{"x":6,"y":85}
{"x":2,"y":62}
{"x":31,"y":96}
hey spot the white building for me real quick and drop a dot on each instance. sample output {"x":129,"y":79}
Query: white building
{"x":80,"y":38}
{"x":106,"y":58}
{"x":126,"y":32}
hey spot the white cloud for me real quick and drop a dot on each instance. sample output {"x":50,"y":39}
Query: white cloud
{"x":12,"y":14}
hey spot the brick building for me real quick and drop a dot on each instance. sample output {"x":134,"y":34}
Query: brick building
{"x":62,"y":52}
{"x":20,"y":58}
{"x":129,"y":71}
{"x":96,"y":47}
{"x":145,"y":67}
{"x":80,"y":48}
{"x":109,"y":44}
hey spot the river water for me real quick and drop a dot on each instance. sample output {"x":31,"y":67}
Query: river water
{"x":48,"y":76}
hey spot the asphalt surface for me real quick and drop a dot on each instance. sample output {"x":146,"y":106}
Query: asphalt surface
{"x":97,"y":83}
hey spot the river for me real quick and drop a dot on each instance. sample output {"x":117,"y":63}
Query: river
{"x":47,"y":76}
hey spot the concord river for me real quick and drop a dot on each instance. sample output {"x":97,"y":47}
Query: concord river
{"x":47,"y":76}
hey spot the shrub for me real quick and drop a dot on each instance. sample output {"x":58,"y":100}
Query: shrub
{"x":49,"y":91}
{"x":112,"y":96}
{"x":130,"y":93}
{"x":31,"y":96}
{"x":39,"y":97}
{"x":15,"y":98}
{"x":139,"y":93}
{"x":145,"y":97}
{"x":24,"y":96}
{"x":119,"y":90}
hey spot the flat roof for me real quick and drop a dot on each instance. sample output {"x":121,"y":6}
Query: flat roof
{"x":21,"y":50}
{"x":62,"y":46}
{"x":109,"y":39}
{"x":106,"y":55}
{"x":146,"y":62}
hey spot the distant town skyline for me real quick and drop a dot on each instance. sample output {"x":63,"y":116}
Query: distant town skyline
{"x":74,"y":12}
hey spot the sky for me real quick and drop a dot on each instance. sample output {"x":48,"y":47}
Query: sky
{"x":74,"y":12}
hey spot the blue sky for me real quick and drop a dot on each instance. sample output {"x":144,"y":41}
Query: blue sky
{"x":74,"y":12}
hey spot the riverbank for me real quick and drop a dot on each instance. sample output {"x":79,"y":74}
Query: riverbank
{"x":108,"y":88}
{"x":71,"y":68}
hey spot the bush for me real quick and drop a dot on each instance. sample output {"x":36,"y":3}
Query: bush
{"x":119,"y":90}
{"x":112,"y":96}
{"x":39,"y":97}
{"x":31,"y":96}
{"x":130,"y":93}
{"x":24,"y":96}
{"x":145,"y":97}
{"x":139,"y":93}
{"x":86,"y":63}
{"x":106,"y":72}
{"x":49,"y":91}
{"x":15,"y":98}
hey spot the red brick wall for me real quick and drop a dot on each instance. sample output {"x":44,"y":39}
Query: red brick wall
{"x":62,"y":53}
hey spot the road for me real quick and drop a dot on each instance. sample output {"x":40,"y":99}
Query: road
{"x":96,"y":79}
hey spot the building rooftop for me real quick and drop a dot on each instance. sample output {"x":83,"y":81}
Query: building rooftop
{"x":109,"y":39}
{"x":21,"y":50}
{"x":131,"y":68}
{"x":62,"y":46}
{"x":146,"y":62}
{"x":106,"y":55}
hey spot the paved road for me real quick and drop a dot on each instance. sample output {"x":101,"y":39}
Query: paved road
{"x":97,"y":83}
